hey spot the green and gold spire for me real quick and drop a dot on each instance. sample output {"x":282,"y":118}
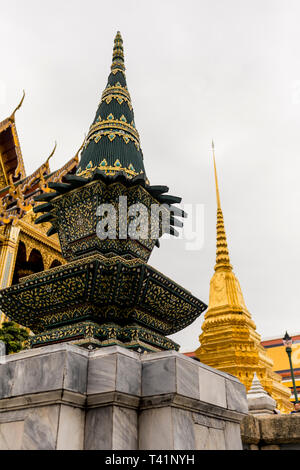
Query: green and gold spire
{"x":107,"y":294}
{"x":113,"y":144}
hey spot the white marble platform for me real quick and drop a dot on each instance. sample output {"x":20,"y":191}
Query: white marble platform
{"x":65,"y":397}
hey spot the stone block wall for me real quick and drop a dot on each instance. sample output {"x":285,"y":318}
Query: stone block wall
{"x":65,"y":397}
{"x":271,"y":432}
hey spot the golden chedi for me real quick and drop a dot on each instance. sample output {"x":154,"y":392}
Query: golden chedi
{"x":229,"y":341}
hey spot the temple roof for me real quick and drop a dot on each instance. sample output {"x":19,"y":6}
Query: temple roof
{"x":16,"y":189}
{"x":113,"y":144}
{"x":18,"y":198}
{"x":11,"y":161}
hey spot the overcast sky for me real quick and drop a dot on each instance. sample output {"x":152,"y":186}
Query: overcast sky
{"x":196,"y":70}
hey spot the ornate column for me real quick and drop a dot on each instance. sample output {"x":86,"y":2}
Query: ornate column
{"x":9,"y":249}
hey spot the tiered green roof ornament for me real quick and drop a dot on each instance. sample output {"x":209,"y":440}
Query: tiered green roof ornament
{"x":106,"y":293}
{"x":113,"y":143}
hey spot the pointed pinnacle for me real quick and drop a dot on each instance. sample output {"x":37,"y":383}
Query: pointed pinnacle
{"x":118,"y":53}
{"x":216,"y":178}
{"x":222,"y":255}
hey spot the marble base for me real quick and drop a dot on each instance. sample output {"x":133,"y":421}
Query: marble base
{"x":66,"y":397}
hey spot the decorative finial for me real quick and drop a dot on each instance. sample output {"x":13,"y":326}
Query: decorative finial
{"x":222,"y":257}
{"x":51,"y":154}
{"x":118,"y":53}
{"x":80,"y":148}
{"x":12,"y":116}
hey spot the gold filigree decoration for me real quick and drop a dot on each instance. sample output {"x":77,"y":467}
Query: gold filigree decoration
{"x":111,"y":135}
{"x":117,"y":89}
{"x":113,"y":124}
{"x":110,"y":170}
{"x":119,"y":98}
{"x":116,"y":70}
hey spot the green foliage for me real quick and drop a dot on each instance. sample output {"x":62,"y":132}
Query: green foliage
{"x":13,"y":336}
